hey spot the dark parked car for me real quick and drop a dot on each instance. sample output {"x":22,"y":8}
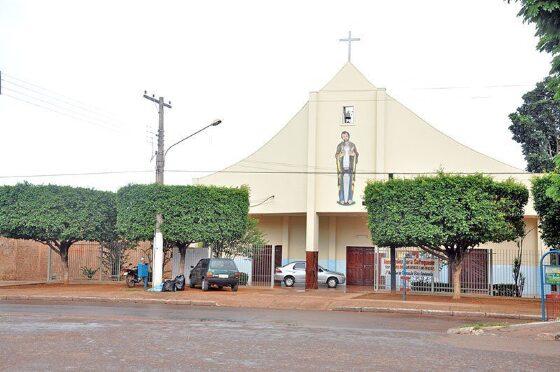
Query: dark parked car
{"x":219,"y":272}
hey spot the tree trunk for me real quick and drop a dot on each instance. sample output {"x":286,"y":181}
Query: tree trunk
{"x":64,"y":260}
{"x":456,"y":270}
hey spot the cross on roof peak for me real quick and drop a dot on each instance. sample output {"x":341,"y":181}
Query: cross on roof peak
{"x":349,"y":40}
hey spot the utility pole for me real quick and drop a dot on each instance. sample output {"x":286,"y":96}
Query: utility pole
{"x":157,"y":260}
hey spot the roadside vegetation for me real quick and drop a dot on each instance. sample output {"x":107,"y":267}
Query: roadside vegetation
{"x":447,"y":215}
{"x":59,"y":216}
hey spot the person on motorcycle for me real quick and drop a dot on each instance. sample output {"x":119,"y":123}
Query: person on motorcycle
{"x":143,"y":272}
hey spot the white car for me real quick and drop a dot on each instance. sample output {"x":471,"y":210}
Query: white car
{"x":294,"y":272}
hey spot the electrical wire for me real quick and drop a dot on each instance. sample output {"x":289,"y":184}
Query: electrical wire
{"x":75,"y":114}
{"x":103,"y":117}
{"x":252,"y":172}
{"x":80,"y":103}
{"x":62,"y":113}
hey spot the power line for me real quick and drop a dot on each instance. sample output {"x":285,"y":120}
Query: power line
{"x":104,"y":116}
{"x":253,"y":172}
{"x":475,"y":87}
{"x":77,"y":174}
{"x":61,"y":113}
{"x":85,"y":105}
{"x":60,"y":109}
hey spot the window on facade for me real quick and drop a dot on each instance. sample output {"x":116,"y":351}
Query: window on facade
{"x":348,"y":114}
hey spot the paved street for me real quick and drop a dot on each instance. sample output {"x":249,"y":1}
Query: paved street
{"x":36,"y":336}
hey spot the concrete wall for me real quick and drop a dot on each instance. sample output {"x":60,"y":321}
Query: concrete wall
{"x":23,"y":260}
{"x":285,"y":152}
{"x":28,"y":260}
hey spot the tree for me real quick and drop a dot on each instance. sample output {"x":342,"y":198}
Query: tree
{"x":545,"y":15}
{"x":57,"y":216}
{"x":536,"y":126}
{"x":445,"y":215}
{"x":114,"y":254}
{"x":518,"y":276}
{"x":548,"y":209}
{"x":190,"y":213}
{"x":233,"y":245}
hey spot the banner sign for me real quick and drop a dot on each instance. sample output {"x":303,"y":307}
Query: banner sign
{"x":552,"y":274}
{"x":415,"y":266}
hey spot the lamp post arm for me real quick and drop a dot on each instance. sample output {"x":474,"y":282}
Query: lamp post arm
{"x":187,"y":137}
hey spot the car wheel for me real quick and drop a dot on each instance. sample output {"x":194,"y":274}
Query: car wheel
{"x":205,"y":285}
{"x":332,"y":282}
{"x":234,"y":288}
{"x":191,"y":282}
{"x":130,"y":282}
{"x":220,"y":287}
{"x":289,"y":281}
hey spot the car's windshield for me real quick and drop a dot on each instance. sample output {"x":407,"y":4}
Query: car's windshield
{"x":223,"y":265}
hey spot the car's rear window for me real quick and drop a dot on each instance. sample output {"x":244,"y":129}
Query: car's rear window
{"x":223,"y":265}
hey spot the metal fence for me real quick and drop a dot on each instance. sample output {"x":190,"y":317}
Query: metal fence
{"x":256,"y":263}
{"x":90,"y":261}
{"x":504,"y":272}
{"x":495,"y":272}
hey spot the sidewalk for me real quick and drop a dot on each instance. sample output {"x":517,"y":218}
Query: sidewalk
{"x":284,"y":298}
{"x":11,"y":283}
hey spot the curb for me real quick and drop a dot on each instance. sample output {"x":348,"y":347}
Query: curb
{"x":459,"y":313}
{"x":109,"y":300}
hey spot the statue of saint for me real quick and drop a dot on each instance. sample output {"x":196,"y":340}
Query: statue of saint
{"x":346,"y":159}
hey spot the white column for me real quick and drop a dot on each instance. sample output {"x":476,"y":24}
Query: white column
{"x":332,"y":242}
{"x":540,"y":242}
{"x":380,"y":132}
{"x":312,"y":225}
{"x":286,"y":238}
{"x":157,"y":260}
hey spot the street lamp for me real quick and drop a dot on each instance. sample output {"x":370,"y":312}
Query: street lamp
{"x":157,"y":271}
{"x":214,"y":123}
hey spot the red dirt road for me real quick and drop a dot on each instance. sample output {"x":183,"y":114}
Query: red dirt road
{"x":90,"y":337}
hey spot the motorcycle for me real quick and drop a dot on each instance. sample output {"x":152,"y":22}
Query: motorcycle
{"x":131,"y":277}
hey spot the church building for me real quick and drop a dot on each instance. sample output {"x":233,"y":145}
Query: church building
{"x":308,"y":200}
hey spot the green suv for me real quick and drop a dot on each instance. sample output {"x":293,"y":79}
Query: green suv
{"x":219,"y":272}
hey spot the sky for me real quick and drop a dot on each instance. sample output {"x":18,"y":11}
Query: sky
{"x":74,"y":72}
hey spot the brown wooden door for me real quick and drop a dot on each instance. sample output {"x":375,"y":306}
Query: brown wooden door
{"x":369,"y":266}
{"x":360,"y":265}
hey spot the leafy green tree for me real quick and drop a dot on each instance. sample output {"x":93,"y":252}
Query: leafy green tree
{"x":190,"y":213}
{"x":445,"y":215}
{"x":545,"y":15}
{"x":536,"y":126}
{"x":114,"y":254}
{"x":57,"y":216}
{"x":548,"y":209}
{"x":232,"y":246}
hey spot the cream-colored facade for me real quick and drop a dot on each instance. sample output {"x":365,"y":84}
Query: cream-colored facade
{"x":298,"y":167}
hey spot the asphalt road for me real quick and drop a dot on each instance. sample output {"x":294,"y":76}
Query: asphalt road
{"x":38,"y":336}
